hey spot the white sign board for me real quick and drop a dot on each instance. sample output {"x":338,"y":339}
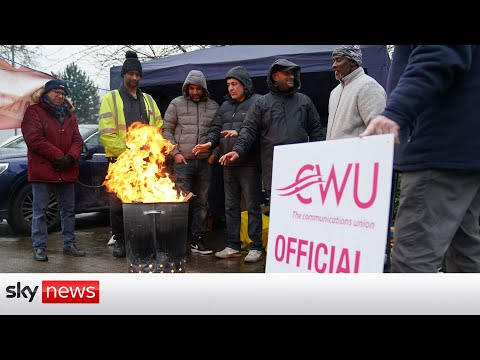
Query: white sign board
{"x":329,"y":206}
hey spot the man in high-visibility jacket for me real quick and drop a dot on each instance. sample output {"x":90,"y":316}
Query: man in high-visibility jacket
{"x":119,"y":109}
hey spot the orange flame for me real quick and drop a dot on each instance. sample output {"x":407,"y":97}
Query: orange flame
{"x":139,"y":174}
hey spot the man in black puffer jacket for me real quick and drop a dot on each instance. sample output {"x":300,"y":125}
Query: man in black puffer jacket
{"x":283,"y":116}
{"x":240,"y":176}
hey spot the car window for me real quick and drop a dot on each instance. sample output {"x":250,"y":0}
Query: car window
{"x":95,"y":140}
{"x":84,"y":130}
{"x":18,"y":143}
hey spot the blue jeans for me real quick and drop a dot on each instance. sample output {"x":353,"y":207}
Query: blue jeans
{"x":66,"y":202}
{"x":195,"y":177}
{"x":247,"y":180}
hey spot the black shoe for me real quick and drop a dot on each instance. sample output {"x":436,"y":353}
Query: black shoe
{"x":73,"y":251}
{"x":40,"y":254}
{"x":198,"y":246}
{"x":119,"y":249}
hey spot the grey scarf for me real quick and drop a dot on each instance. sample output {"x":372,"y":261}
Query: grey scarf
{"x":61,"y":112}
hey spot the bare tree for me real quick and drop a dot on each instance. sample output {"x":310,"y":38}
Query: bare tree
{"x":106,"y":56}
{"x":20,"y":54}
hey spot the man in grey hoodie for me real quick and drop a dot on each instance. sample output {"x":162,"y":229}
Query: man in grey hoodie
{"x":242,"y":176}
{"x":186,"y":123}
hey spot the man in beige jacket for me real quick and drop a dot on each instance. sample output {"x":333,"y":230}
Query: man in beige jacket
{"x":357,"y":99}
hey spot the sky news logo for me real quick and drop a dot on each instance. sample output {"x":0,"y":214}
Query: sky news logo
{"x":58,"y":292}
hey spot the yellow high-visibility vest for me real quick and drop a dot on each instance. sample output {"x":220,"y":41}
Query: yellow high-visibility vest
{"x":112,"y":125}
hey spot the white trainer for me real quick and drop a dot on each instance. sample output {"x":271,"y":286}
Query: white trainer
{"x":111,"y":241}
{"x":228,"y":253}
{"x":253,"y":256}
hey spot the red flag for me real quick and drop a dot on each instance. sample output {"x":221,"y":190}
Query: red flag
{"x":16,"y":88}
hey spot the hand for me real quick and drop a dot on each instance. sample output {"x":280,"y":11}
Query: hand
{"x":382,"y":125}
{"x":201,"y":148}
{"x":229,"y":133}
{"x":212,"y":158}
{"x":62,"y":163}
{"x":228,"y":158}
{"x":178,"y":158}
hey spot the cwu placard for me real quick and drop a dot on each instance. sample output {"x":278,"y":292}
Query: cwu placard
{"x":329,"y":208}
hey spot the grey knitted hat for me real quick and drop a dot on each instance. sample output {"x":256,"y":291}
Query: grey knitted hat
{"x":352,"y":52}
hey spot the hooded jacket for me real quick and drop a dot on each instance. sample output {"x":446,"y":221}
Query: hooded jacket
{"x":279,"y":118}
{"x":230,"y":116}
{"x":47,"y":139}
{"x":186,"y":122}
{"x":433,"y":95}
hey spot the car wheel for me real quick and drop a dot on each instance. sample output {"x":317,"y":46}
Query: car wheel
{"x":21,"y":211}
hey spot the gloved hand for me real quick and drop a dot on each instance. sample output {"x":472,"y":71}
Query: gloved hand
{"x":62,"y":163}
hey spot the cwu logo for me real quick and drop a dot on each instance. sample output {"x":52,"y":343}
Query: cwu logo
{"x":310,"y":175}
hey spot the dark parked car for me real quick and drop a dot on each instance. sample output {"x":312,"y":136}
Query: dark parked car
{"x":16,"y":191}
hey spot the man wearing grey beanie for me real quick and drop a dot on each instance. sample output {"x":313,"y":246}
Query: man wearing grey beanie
{"x":357,"y":99}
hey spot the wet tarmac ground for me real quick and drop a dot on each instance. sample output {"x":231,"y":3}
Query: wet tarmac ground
{"x":93,"y":233}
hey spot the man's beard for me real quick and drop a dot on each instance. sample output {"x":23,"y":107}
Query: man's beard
{"x":341,"y":76}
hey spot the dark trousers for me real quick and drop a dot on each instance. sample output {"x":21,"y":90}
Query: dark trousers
{"x":247,"y":180}
{"x":216,"y":197}
{"x":195,"y":177}
{"x":116,"y":214}
{"x":116,"y":218}
{"x":438,"y":211}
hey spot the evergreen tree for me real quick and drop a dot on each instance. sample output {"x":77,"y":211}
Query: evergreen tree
{"x":82,"y":93}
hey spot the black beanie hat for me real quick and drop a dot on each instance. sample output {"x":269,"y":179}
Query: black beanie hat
{"x":131,"y":63}
{"x":56,"y":84}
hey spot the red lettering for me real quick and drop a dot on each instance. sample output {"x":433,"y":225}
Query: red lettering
{"x":332,"y":178}
{"x":300,"y":251}
{"x":310,"y":253}
{"x":304,"y":180}
{"x":279,"y":239}
{"x":325,"y":251}
{"x":325,"y":258}
{"x":70,"y":292}
{"x":290,"y":249}
{"x":364,"y":205}
{"x":300,"y":172}
{"x":343,"y":263}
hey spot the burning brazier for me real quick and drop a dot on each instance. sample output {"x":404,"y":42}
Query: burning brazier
{"x":156,"y":236}
{"x":155,"y":215}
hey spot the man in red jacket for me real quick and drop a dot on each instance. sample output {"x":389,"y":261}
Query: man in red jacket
{"x":50,"y":130}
